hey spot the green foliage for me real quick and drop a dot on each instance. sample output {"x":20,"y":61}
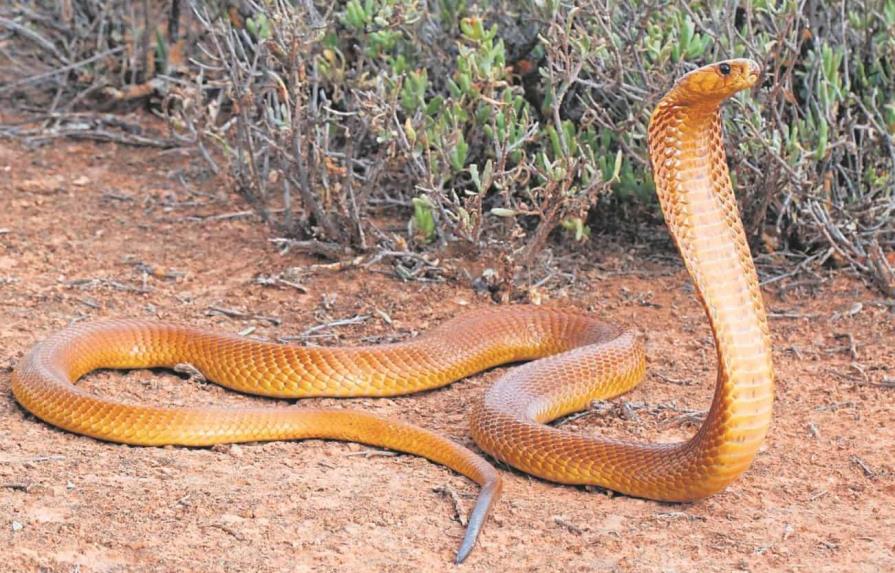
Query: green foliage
{"x":498,"y":122}
{"x":423,"y":218}
{"x":258,"y":26}
{"x":489,"y":121}
{"x":674,"y":39}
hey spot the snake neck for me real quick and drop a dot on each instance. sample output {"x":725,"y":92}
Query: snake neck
{"x":697,"y":200}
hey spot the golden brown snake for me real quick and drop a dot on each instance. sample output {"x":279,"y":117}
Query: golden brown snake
{"x":587,"y":359}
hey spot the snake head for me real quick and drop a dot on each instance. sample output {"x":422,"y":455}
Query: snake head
{"x":710,"y":85}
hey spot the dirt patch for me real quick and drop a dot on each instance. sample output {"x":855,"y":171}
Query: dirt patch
{"x":90,"y":231}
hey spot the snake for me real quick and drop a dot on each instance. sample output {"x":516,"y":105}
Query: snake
{"x":571,"y":358}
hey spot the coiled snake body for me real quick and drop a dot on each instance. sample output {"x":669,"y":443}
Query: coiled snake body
{"x":586,"y":359}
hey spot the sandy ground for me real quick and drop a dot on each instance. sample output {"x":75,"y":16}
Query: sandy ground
{"x":90,"y":231}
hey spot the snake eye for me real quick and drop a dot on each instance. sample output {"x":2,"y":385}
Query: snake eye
{"x":724,"y":69}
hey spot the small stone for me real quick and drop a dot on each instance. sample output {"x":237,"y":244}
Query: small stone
{"x":232,"y":519}
{"x":17,"y":526}
{"x":39,"y":489}
{"x":70,"y":486}
{"x":81,"y":181}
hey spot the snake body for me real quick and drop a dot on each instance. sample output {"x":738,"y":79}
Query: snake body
{"x":582,"y":359}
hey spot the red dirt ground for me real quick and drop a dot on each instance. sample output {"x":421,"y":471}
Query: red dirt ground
{"x":90,"y":231}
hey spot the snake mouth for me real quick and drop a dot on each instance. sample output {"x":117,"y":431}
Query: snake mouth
{"x":754,"y":75}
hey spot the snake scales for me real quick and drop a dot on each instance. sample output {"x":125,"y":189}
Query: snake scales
{"x":585,"y":359}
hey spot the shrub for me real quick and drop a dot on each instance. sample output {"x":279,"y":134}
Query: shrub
{"x":502,"y":123}
{"x":69,"y":55}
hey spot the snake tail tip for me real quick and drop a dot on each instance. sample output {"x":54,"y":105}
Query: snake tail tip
{"x":487,"y":497}
{"x":469,"y":538}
